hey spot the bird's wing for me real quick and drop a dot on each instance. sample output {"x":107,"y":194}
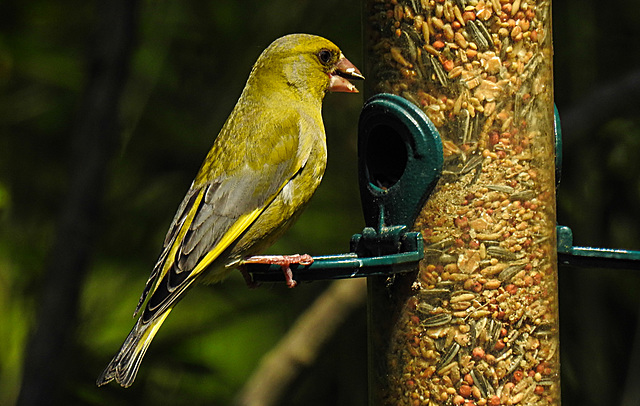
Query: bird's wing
{"x":219,"y":207}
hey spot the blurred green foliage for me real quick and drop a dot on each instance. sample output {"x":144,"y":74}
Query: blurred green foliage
{"x":189,"y":66}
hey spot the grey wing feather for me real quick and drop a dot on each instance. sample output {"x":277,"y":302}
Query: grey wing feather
{"x":225,"y":200}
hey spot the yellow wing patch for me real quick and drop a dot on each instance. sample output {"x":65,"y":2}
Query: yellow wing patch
{"x":229,"y":237}
{"x":240,"y":226}
{"x":180,"y":237}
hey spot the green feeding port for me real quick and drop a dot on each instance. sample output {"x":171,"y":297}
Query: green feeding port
{"x":399,"y":160}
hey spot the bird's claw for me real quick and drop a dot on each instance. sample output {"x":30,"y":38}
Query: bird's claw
{"x":251,"y":284}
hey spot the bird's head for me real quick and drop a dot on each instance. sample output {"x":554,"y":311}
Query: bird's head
{"x":307,"y":63}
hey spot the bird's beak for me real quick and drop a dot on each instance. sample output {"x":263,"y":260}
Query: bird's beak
{"x":344,"y":70}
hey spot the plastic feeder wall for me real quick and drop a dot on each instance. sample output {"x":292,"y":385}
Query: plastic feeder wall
{"x":478,"y":321}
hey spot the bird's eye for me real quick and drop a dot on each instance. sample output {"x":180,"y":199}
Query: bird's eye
{"x":324,"y":56}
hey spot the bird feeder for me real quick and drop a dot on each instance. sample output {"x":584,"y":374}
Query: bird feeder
{"x":479,"y":320}
{"x":459,"y":157}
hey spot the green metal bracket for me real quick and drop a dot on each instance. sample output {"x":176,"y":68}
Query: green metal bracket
{"x":399,"y":162}
{"x":345,"y":266}
{"x":568,"y":254}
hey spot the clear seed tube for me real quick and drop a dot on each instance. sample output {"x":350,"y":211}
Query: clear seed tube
{"x":478,"y":323}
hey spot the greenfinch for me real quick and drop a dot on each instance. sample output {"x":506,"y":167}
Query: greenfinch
{"x":263,"y":168}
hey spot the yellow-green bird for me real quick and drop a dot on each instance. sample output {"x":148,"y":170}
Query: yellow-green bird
{"x":263,"y":168}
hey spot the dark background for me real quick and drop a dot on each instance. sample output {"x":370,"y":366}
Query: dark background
{"x":106,"y":112}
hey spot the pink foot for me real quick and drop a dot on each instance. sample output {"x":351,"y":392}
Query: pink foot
{"x":284,"y":261}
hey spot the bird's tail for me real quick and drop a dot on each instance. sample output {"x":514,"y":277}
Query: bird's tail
{"x":124,"y":366}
